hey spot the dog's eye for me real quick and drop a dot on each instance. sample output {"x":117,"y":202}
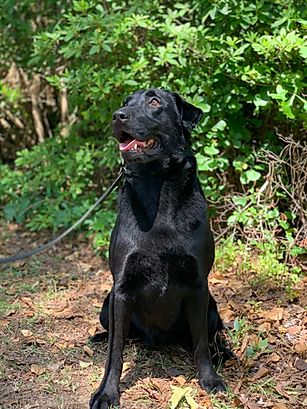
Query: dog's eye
{"x":154,"y":102}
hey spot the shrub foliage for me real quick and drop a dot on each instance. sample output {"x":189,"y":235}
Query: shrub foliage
{"x":241,"y":62}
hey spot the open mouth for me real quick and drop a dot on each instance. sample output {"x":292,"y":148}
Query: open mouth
{"x":128,"y":143}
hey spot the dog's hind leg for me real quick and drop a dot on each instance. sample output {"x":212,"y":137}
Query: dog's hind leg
{"x":197,"y":313}
{"x":104,"y":321}
{"x":220,"y":353}
{"x":134,"y":332}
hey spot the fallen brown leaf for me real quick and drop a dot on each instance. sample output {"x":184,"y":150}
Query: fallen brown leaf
{"x":55,"y":366}
{"x":88,"y":350}
{"x":216,"y":280}
{"x":96,"y":303}
{"x":300,"y":364}
{"x":226,"y":314}
{"x":265,"y":327}
{"x":252,"y":405}
{"x":61,"y":345}
{"x":67,"y":314}
{"x":276,"y":314}
{"x":126,"y":367}
{"x":56,"y":306}
{"x":279,"y":406}
{"x":26,"y":333}
{"x":274,"y":358}
{"x":92,"y":330}
{"x":301,"y":347}
{"x":11,"y":291}
{"x":295,"y":329}
{"x":260,"y":373}
{"x":180,"y":379}
{"x":4,"y":323}
{"x":84,"y":364}
{"x":28,"y":301}
{"x":85,"y":266}
{"x":12,"y":227}
{"x":243,"y":346}
{"x":37,"y":369}
{"x":237,"y":402}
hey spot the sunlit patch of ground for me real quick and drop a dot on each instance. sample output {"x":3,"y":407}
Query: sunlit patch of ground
{"x":50,"y":305}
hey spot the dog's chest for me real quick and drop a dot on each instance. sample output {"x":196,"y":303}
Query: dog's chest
{"x":157,"y":248}
{"x":154,"y":276}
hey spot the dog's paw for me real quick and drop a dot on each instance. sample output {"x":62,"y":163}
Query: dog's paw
{"x":212,"y":383}
{"x":103,"y":400}
{"x":99,"y":337}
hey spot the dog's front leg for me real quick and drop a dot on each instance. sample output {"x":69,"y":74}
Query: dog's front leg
{"x":197,"y":314}
{"x":107,"y":395}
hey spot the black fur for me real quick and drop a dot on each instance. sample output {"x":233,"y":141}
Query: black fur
{"x":161,"y":249}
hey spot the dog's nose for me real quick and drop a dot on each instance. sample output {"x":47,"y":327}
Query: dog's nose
{"x":120,"y":115}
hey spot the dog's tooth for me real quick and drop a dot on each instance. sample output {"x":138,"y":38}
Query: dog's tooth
{"x":135,"y":146}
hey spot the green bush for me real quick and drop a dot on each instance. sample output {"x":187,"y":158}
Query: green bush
{"x":241,"y":62}
{"x":52,"y":186}
{"x":20,"y":21}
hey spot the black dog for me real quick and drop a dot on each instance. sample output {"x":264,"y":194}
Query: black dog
{"x":161,"y":248}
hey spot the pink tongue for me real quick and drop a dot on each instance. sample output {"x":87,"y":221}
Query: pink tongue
{"x":127,"y":146}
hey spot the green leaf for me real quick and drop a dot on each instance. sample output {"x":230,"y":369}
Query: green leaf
{"x":303,"y":52}
{"x":239,"y":200}
{"x":219,"y":126}
{"x":232,"y":219}
{"x":286,"y":108}
{"x":204,"y":107}
{"x":225,"y":10}
{"x":237,"y":324}
{"x":212,"y":12}
{"x":131,"y":82}
{"x":106,"y":47}
{"x":263,"y":344}
{"x":253,"y":175}
{"x":281,"y":93}
{"x":81,"y":5}
{"x":260,"y":102}
{"x":211,"y":150}
{"x":279,"y":22}
{"x":94,"y":49}
{"x":241,"y":49}
{"x":249,"y":351}
{"x":249,"y":176}
{"x":100,"y":8}
{"x":201,"y":161}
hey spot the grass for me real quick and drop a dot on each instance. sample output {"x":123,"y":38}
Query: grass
{"x":261,"y":264}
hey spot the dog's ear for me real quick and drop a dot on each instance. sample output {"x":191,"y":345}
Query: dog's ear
{"x":190,"y":115}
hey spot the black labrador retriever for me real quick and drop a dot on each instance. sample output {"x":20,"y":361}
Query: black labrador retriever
{"x":161,"y":249}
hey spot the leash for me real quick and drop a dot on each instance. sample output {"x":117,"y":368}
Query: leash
{"x":51,"y":243}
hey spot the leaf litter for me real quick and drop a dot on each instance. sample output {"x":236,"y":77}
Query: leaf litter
{"x":50,"y":306}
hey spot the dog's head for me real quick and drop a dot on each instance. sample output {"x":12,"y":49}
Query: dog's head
{"x":152,"y":123}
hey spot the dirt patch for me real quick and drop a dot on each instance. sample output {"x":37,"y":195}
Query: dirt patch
{"x":50,"y":306}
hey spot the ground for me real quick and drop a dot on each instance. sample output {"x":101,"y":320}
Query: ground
{"x":49,"y":308}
